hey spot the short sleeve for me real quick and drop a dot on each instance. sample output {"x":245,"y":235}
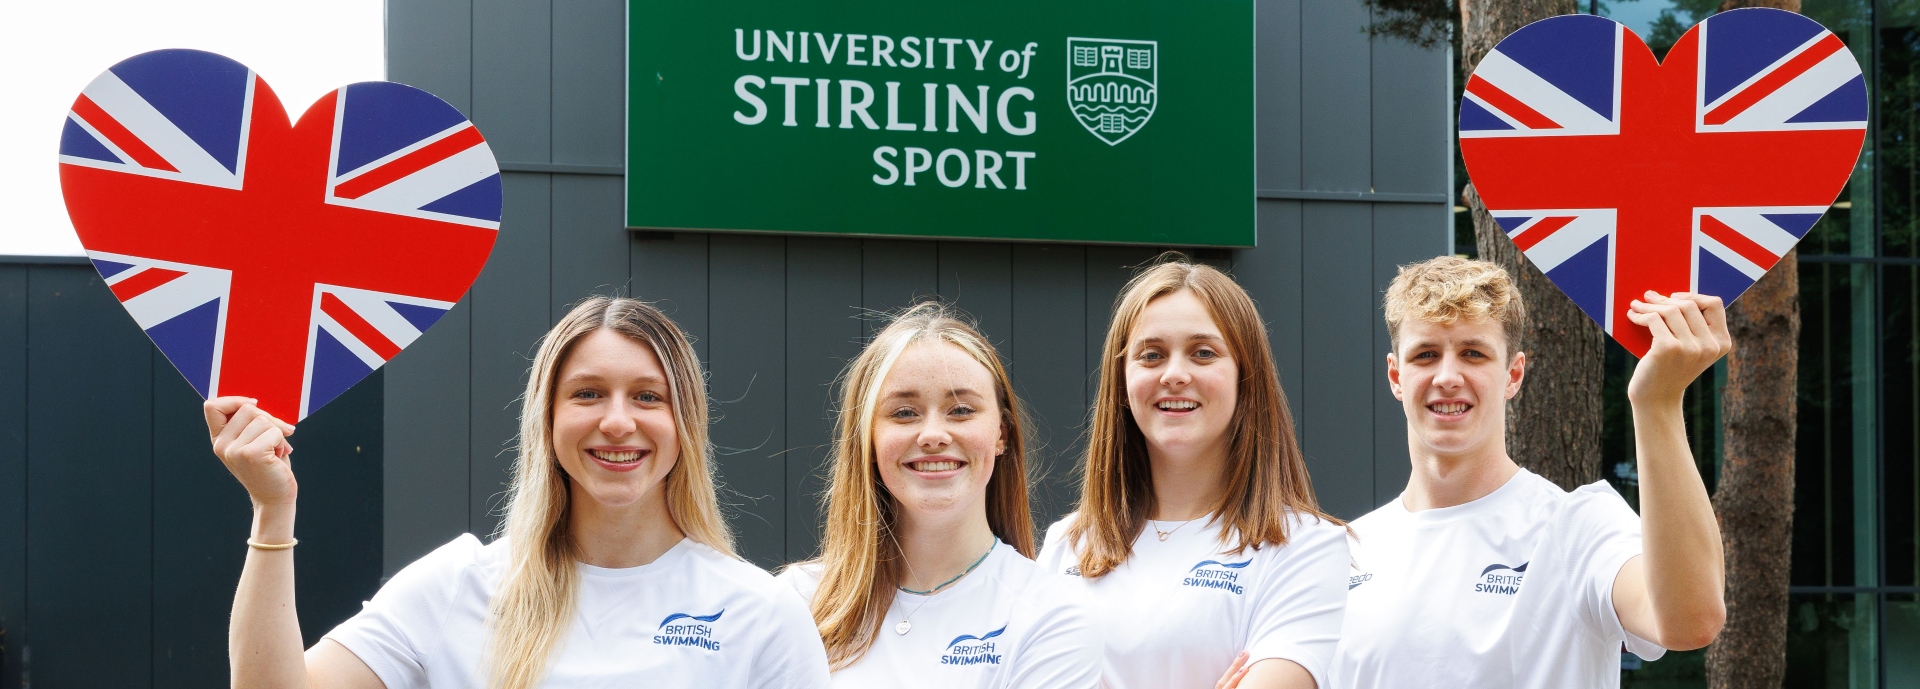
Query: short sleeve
{"x":1061,"y":650}
{"x":1302,"y":600}
{"x":388,"y":632}
{"x":790,"y":654}
{"x":1604,"y":532}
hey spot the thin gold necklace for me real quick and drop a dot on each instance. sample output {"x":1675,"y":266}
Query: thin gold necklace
{"x":1165,"y":534}
{"x":906,"y":623}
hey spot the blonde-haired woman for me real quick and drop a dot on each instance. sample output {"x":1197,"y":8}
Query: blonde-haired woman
{"x":614,"y":568}
{"x":1197,"y":536}
{"x":926,"y":578}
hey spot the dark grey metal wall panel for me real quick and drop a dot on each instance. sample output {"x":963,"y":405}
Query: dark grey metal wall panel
{"x":1335,"y":95}
{"x":1337,"y":111}
{"x":748,"y":383}
{"x":1272,"y":277}
{"x":978,"y":277}
{"x":1276,"y":74}
{"x":511,"y":303}
{"x":1402,"y":234}
{"x":427,"y":424}
{"x":201,"y":520}
{"x":430,"y":46}
{"x":824,"y":332}
{"x":1337,"y":354}
{"x":512,"y":78}
{"x":590,"y":254}
{"x":340,"y":501}
{"x":589,"y":83}
{"x":1412,"y":122}
{"x":1049,"y":367}
{"x":89,"y":481}
{"x":670,"y":270}
{"x":894,"y":273}
{"x":13,"y":469}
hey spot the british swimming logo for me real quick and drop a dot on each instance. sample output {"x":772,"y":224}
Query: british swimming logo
{"x":1214,"y":574}
{"x":685,"y":629}
{"x":967,"y":649}
{"x":1501,"y":579}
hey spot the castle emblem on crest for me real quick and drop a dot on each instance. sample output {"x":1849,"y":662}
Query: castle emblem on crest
{"x":1112,"y":85}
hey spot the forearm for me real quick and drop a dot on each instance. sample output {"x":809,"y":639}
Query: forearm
{"x":263,"y":638}
{"x":1681,"y":550}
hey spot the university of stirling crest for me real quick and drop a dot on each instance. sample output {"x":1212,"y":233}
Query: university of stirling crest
{"x":1112,"y":85}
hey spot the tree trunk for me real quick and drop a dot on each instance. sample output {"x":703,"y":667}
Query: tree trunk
{"x":1754,"y":497}
{"x":1553,"y":425}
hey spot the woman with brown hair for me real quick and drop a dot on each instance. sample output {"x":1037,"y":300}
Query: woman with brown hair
{"x":926,"y":577}
{"x":613,"y":567}
{"x":1198,"y":539}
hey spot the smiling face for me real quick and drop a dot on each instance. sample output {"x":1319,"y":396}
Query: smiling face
{"x":613,"y":422}
{"x":1453,"y":381}
{"x":1182,"y":383}
{"x":937,"y":430}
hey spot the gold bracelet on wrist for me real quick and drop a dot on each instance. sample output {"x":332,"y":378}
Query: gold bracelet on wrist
{"x":273,"y":546}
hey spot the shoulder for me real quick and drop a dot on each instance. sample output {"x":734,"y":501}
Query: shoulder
{"x":732,"y":572}
{"x":1311,"y":537}
{"x":802,"y":577}
{"x":461,"y":560}
{"x":1055,"y":546}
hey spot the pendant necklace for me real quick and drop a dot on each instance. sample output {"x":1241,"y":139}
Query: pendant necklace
{"x":1165,"y":534}
{"x":906,"y":623}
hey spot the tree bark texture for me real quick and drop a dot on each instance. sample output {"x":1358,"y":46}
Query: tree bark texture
{"x":1554,"y":424}
{"x":1754,"y":497}
{"x":1484,"y":22}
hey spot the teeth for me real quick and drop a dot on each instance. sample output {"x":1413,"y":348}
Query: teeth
{"x":934,"y":466}
{"x":1449,"y":408}
{"x":616,"y":457}
{"x":1178,"y":405}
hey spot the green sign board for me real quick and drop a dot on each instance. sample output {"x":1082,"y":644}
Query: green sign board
{"x":1124,"y":121}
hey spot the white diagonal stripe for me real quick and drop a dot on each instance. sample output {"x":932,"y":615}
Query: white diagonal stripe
{"x":1545,"y":98}
{"x":430,"y":184}
{"x":157,"y":132}
{"x":1796,"y":95}
{"x":1731,"y":257}
{"x":1586,"y":228}
{"x":1753,"y":224}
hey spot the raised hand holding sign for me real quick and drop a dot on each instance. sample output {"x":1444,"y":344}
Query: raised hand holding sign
{"x":1617,"y":175}
{"x":282,"y":262}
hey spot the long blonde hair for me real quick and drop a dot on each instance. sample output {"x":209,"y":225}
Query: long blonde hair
{"x":861,"y":562}
{"x":1265,"y":475}
{"x":535,"y":604}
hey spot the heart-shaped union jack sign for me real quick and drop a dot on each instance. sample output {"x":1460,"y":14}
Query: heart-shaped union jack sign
{"x":277,"y":261}
{"x":1617,"y":174}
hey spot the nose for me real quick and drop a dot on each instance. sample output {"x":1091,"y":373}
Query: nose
{"x":618,"y":421}
{"x":1176,"y":374}
{"x":935,"y":435}
{"x":1449,"y":375}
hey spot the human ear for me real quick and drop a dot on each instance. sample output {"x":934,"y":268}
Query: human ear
{"x":1393,"y":376}
{"x":1516,"y":373}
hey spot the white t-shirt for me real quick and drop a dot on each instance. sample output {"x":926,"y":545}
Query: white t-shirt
{"x":691,"y":618}
{"x":1176,"y":613}
{"x":1000,"y":627}
{"x":1514,"y":590}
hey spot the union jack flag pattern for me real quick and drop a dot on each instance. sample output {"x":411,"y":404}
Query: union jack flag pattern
{"x":265,"y":259}
{"x":1616,"y":174}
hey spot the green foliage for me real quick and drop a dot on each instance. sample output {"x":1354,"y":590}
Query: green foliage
{"x":1424,"y":23}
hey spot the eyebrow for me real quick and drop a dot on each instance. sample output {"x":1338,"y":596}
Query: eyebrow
{"x":1201,"y":337}
{"x":913,"y":394}
{"x":595,"y":378}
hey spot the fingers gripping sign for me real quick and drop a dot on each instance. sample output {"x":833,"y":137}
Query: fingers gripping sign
{"x":253,"y":444}
{"x":1689,"y":335}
